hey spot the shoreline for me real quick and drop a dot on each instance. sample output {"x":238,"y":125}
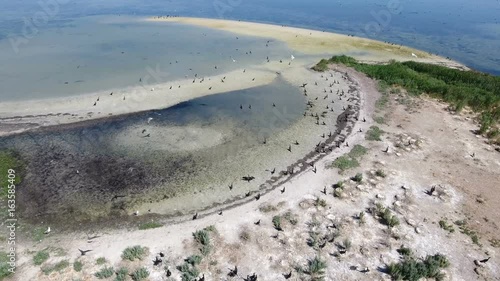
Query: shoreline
{"x":20,"y":116}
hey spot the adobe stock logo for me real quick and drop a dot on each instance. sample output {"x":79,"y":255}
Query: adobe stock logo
{"x":48,"y":10}
{"x":383,"y":17}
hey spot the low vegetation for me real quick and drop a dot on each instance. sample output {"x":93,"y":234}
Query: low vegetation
{"x":315,"y":268}
{"x":40,"y":257}
{"x":77,"y":266}
{"x":478,"y":91}
{"x":277,"y":223}
{"x":413,"y":269}
{"x":100,"y":261}
{"x":149,"y":225}
{"x":134,"y":253}
{"x":465,"y":229}
{"x":56,"y":267}
{"x":385,"y":216}
{"x":374,"y":134}
{"x":448,"y":227}
{"x":350,"y":160}
{"x":140,"y":274}
{"x":104,"y":273}
{"x":121,"y":274}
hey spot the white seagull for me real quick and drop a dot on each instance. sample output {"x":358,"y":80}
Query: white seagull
{"x":233,"y":59}
{"x":413,"y":55}
{"x":292,"y":57}
{"x":149,"y":119}
{"x":47,"y":231}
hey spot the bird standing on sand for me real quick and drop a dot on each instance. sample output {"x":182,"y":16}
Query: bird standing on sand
{"x":149,"y":119}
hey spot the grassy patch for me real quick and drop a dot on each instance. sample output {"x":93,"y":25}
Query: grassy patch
{"x":414,"y":269}
{"x":379,"y":120}
{"x":374,"y":134}
{"x":40,"y":257}
{"x":77,"y":266}
{"x":448,"y":227}
{"x":479,"y":91}
{"x":188,"y":272}
{"x":4,"y":266}
{"x":56,"y":267}
{"x":350,"y":160}
{"x":465,"y":229}
{"x":134,"y":253}
{"x":380,"y":173}
{"x":149,"y":225}
{"x":104,"y":273}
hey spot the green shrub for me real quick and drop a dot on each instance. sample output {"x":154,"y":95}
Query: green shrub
{"x":277,"y":223}
{"x":40,"y":257}
{"x":380,"y":173}
{"x":315,"y":268}
{"x":77,"y":266}
{"x":100,"y":261}
{"x":194,"y":260}
{"x":104,"y":273}
{"x":189,"y":272}
{"x":121,"y":274}
{"x":140,"y":274}
{"x":444,"y":225}
{"x":134,"y":253}
{"x":374,"y":133}
{"x":358,"y":177}
{"x":320,"y":202}
{"x":413,"y":270}
{"x":9,"y":160}
{"x":203,"y":238}
{"x":344,"y":163}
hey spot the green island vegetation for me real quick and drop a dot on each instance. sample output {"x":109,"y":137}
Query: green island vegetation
{"x":478,"y":91}
{"x":4,"y":265}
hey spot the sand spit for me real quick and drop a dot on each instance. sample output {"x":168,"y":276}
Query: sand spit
{"x":122,"y":101}
{"x":314,"y":42}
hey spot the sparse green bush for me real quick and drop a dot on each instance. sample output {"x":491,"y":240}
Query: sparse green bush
{"x":315,"y":268}
{"x":413,"y":270}
{"x":290,"y":218}
{"x":121,"y":274}
{"x":374,"y":134}
{"x":320,"y":202}
{"x":56,"y":267}
{"x":448,"y":227}
{"x":344,"y":163}
{"x":337,"y":192}
{"x":361,"y":217}
{"x":245,"y":235}
{"x":140,"y":274}
{"x":77,"y":266}
{"x":380,"y":173}
{"x":104,"y":273}
{"x":101,"y":261}
{"x":133,"y":253}
{"x":347,"y":244}
{"x":194,"y":260}
{"x":277,"y":223}
{"x":40,"y":257}
{"x":203,"y":238}
{"x":189,"y":272}
{"x":358,"y":177}
{"x":267,"y":208}
{"x":386,"y":217}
